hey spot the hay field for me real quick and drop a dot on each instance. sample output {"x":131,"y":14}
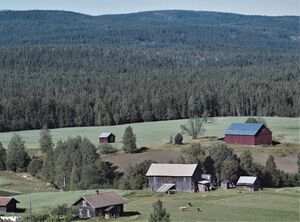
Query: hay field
{"x":286,"y":130}
{"x":219,"y":205}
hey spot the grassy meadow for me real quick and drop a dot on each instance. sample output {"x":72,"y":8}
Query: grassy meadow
{"x":286,"y":130}
{"x":219,"y":205}
{"x":21,"y":183}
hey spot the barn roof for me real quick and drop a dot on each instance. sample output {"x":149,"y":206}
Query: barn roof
{"x":102,"y":199}
{"x":176,"y":170}
{"x":249,"y":129}
{"x":5,"y":200}
{"x":246,"y":180}
{"x":105,"y":135}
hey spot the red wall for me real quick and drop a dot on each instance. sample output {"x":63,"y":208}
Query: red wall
{"x":239,"y":139}
{"x":103,"y":140}
{"x":264,"y":136}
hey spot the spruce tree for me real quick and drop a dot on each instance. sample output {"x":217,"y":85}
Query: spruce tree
{"x":298,"y":162}
{"x":48,"y":171}
{"x":2,"y":157}
{"x":45,"y":140}
{"x":46,"y":146}
{"x":129,"y":140}
{"x":271,"y":176}
{"x":247,"y":163}
{"x":159,"y":213}
{"x":17,"y":158}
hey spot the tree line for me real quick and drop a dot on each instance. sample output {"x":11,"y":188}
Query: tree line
{"x":93,"y":85}
{"x":152,"y":29}
{"x":223,"y":164}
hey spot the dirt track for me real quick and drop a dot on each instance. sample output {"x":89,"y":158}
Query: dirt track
{"x":123,"y":161}
{"x":287,"y":163}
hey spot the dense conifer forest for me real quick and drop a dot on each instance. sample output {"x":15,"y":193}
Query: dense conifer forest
{"x":66,"y":69}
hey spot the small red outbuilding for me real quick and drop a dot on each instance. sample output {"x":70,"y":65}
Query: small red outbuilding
{"x":107,"y":138}
{"x":248,"y":134}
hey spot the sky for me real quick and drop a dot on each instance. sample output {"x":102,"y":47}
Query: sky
{"x":100,"y":7}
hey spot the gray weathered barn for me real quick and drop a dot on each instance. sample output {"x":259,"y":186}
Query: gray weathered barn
{"x":248,"y":183}
{"x":181,"y":177}
{"x":100,"y":204}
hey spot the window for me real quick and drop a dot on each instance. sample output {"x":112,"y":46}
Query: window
{"x":84,"y":203}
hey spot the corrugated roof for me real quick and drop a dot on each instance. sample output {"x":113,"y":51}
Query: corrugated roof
{"x":105,"y":135}
{"x":103,"y":199}
{"x":243,"y":129}
{"x":175,"y":170}
{"x":109,"y":208}
{"x":165,"y":187}
{"x":246,"y":180}
{"x":5,"y":200}
{"x":204,"y":182}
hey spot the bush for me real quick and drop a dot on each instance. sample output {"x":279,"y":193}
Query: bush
{"x":41,"y":215}
{"x":159,"y":213}
{"x":135,"y":178}
{"x":107,"y":149}
{"x":35,"y":166}
{"x":178,"y":139}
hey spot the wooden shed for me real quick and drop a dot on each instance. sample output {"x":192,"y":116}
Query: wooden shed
{"x":248,"y":134}
{"x":181,"y":177}
{"x":108,"y":204}
{"x":248,"y":183}
{"x":8,"y":204}
{"x":107,"y":138}
{"x":225,"y":184}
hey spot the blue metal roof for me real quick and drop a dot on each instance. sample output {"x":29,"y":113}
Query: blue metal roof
{"x":249,"y":129}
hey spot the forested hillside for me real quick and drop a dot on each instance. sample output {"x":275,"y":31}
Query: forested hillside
{"x":67,"y":69}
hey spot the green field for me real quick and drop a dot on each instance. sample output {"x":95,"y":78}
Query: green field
{"x":153,"y":133}
{"x":52,"y":199}
{"x":13,"y":182}
{"x":219,"y":205}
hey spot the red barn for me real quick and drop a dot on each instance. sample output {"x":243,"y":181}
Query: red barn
{"x":107,"y":138}
{"x":248,"y":134}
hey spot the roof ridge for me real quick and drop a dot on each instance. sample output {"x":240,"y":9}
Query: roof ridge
{"x":99,"y":193}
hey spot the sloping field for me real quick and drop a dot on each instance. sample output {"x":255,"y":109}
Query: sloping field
{"x":286,"y":130}
{"x":219,"y":205}
{"x":21,"y":182}
{"x":52,"y":199}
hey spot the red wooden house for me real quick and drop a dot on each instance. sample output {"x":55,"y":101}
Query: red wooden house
{"x":107,"y":138}
{"x":248,"y":134}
